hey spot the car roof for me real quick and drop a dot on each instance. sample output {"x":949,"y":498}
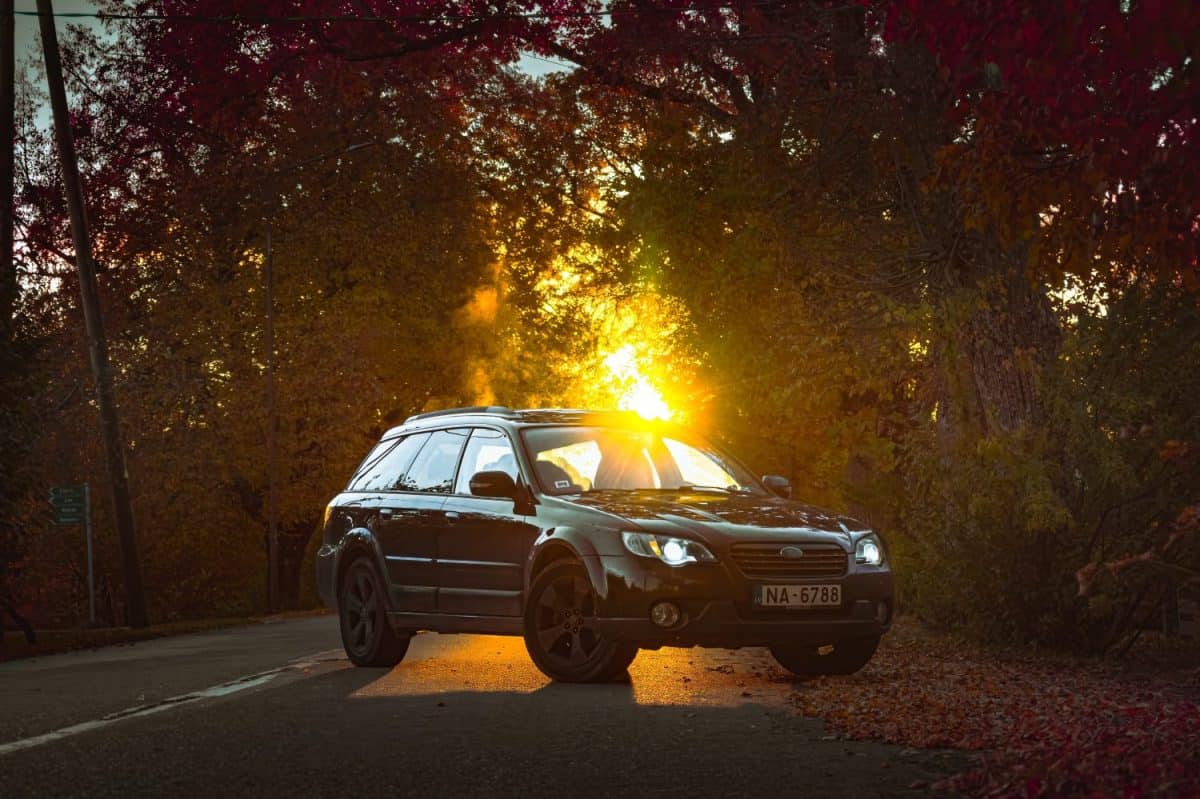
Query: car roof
{"x":517,"y":417}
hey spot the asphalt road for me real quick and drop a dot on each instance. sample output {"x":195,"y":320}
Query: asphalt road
{"x":276,"y":710}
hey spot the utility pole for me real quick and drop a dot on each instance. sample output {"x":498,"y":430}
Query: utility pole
{"x":8,"y":131}
{"x":110,"y":425}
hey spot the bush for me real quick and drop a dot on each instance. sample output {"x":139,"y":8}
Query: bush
{"x":1064,"y":534}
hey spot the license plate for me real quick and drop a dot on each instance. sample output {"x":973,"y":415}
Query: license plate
{"x":798,"y":596}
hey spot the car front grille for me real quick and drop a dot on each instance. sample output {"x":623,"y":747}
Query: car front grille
{"x":767,"y":562}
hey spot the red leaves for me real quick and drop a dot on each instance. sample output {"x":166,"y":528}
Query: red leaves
{"x":1048,"y":727}
{"x":1104,"y":81}
{"x":1108,"y":749}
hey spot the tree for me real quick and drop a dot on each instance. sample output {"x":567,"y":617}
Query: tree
{"x":908,"y":241}
{"x":838,"y":217}
{"x":379,"y":240}
{"x":1089,"y":109}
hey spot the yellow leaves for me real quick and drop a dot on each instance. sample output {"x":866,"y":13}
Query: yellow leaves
{"x":483,"y":305}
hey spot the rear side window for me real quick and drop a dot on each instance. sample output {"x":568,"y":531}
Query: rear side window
{"x":385,"y":472}
{"x":433,"y":469}
{"x":374,"y":455}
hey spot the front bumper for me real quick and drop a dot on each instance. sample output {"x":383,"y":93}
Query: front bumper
{"x":717,"y":609}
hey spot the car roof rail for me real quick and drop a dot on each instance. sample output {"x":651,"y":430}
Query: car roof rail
{"x":490,"y":410}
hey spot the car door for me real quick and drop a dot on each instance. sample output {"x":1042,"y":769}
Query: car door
{"x":482,"y":548}
{"x":404,"y":524}
{"x":412,"y":517}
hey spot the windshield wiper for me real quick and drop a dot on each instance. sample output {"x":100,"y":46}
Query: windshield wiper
{"x":722,"y":489}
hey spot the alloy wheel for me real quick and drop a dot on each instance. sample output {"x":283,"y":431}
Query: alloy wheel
{"x":362,"y":611}
{"x":566,"y":621}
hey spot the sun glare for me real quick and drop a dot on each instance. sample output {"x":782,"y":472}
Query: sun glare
{"x":638,"y":394}
{"x":645,"y":400}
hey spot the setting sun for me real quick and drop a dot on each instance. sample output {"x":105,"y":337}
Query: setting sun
{"x":646,"y":401}
{"x":639,"y":394}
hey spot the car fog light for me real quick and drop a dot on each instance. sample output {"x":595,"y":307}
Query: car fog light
{"x":665,"y":614}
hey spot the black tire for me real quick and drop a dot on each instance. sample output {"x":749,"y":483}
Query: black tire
{"x":367,"y":637}
{"x":561,"y":632}
{"x":807,"y":660}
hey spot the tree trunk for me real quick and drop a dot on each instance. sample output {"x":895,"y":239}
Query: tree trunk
{"x":293,"y":545}
{"x":1000,"y":331}
{"x":1007,"y":344}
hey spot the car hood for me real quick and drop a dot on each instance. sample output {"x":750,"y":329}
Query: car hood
{"x":723,"y":518}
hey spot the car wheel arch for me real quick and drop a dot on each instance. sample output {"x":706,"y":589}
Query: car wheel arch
{"x":549,"y":552}
{"x":562,"y":544}
{"x":359,"y":542}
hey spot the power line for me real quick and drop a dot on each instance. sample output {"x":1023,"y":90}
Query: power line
{"x":317,"y":18}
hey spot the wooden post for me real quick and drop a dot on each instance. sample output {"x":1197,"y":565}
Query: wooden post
{"x":272,"y":430}
{"x":87,"y":528}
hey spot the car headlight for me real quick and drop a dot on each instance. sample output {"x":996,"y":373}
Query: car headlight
{"x":868,"y":550}
{"x":669,"y":549}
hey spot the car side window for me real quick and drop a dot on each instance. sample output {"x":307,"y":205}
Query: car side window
{"x":386,"y":471}
{"x":487,"y":451}
{"x":433,"y":469}
{"x":372,"y":458}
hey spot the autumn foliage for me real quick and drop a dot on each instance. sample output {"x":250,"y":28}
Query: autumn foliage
{"x":1039,"y":725}
{"x":936,"y":261}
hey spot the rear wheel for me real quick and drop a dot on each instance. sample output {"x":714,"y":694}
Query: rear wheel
{"x":810,"y":660}
{"x":561,"y":632}
{"x":367,"y":637}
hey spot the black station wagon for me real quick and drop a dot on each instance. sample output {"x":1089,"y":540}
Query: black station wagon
{"x":592,"y":534}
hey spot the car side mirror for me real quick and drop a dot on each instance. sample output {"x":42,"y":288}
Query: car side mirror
{"x":778,"y":485}
{"x":493,"y":484}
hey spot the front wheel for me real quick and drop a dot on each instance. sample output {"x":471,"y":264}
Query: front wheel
{"x":367,"y":637}
{"x":809,"y":660}
{"x":561,"y":633}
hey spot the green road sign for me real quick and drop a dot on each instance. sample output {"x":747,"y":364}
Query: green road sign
{"x":69,"y":504}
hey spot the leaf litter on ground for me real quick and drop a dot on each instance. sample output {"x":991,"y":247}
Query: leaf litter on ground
{"x":1041,"y":724}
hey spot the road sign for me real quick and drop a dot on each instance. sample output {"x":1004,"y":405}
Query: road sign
{"x":72,"y":505}
{"x":69,"y":504}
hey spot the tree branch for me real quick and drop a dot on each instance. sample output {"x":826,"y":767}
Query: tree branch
{"x":616,"y":79}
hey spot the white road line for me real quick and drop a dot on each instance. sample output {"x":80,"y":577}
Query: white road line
{"x":224,"y":689}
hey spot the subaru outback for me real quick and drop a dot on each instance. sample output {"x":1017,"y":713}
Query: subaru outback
{"x":592,"y":535}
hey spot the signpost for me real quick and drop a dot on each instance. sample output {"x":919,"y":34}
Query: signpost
{"x":73,"y":505}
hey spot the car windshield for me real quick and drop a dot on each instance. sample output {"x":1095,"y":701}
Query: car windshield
{"x":575,"y":459}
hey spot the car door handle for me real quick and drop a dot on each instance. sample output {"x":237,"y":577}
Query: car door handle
{"x":453,"y":514}
{"x":385,"y":513}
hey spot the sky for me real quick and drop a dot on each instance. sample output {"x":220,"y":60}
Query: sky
{"x":29,"y":39}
